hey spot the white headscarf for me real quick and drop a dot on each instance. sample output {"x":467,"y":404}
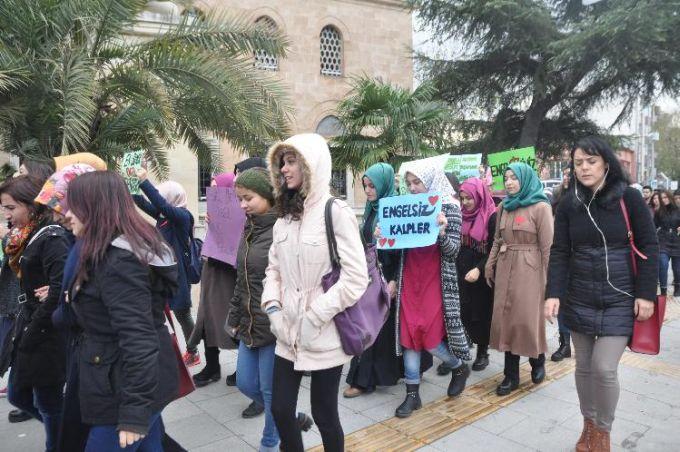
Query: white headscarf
{"x":433,"y":177}
{"x":173,"y":193}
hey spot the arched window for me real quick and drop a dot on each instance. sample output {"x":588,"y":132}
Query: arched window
{"x":264,"y":60}
{"x":329,"y":127}
{"x":331,"y":51}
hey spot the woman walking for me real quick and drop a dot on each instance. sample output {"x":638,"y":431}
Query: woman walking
{"x":667,"y":222}
{"x":300,"y":313}
{"x":517,"y":268}
{"x":217,"y":287}
{"x":428,"y":306}
{"x":476,"y":297}
{"x":378,"y":365}
{"x":592,"y":272}
{"x":36,"y":250}
{"x":168,"y":206}
{"x":125,"y":274}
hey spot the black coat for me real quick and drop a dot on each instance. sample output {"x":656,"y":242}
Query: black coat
{"x":577,"y":274}
{"x":251,"y":262}
{"x":667,"y":230}
{"x":39,"y":348}
{"x":128,"y":369}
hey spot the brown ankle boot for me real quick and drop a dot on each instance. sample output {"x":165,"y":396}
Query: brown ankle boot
{"x":600,"y":441}
{"x":583,"y":444}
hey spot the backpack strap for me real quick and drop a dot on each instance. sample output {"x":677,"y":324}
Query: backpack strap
{"x":330,"y":234}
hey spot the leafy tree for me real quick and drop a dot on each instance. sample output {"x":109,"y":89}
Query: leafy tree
{"x":529,"y":68}
{"x":385,"y":123}
{"x":668,"y":146}
{"x":73,"y":78}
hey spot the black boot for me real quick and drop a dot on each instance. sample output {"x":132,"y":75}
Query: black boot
{"x":411,"y":403}
{"x":537,"y":369}
{"x":211,"y":372}
{"x":253,"y":410}
{"x":511,"y":371}
{"x":231,"y":379}
{"x":676,"y":290}
{"x":304,"y":422}
{"x":443,"y":369}
{"x":459,"y":377}
{"x":564,"y":350}
{"x":482,"y":360}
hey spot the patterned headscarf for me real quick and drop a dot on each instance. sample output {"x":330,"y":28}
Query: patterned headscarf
{"x":173,"y":193}
{"x":530,"y":188}
{"x":475,"y":221}
{"x":433,"y":177}
{"x":53,"y":193}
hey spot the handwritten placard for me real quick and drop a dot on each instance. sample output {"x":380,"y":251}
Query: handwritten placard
{"x":499,"y":161}
{"x":409,"y":221}
{"x":132,"y":161}
{"x":464,"y":166}
{"x":226,"y":224}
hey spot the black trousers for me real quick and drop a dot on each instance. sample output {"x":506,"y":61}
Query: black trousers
{"x":511,"y":368}
{"x":324,"y":398}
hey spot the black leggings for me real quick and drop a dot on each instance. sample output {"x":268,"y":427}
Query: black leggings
{"x":324,"y":397}
{"x":186,"y":322}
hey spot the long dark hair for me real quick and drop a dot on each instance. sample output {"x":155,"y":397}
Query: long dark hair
{"x":597,"y":146}
{"x":101,"y":201}
{"x":291,"y":202}
{"x":24,"y":189}
{"x":42,"y":170}
{"x":670,"y":208}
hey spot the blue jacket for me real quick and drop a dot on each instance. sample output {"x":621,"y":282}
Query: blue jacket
{"x":175,"y":225}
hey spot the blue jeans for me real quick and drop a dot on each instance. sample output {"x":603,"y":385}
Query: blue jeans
{"x":664,"y":261}
{"x":412,"y":362}
{"x":43,"y":403}
{"x":104,"y":438}
{"x":255,"y":379}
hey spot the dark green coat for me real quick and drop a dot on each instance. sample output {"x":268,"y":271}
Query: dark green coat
{"x":251,"y":263}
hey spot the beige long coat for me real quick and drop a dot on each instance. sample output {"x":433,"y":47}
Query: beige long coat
{"x":518,"y":263}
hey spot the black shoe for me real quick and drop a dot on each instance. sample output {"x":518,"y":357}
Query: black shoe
{"x":205,"y":377}
{"x":482,"y":359}
{"x":538,"y":374}
{"x":507,"y":386}
{"x":459,"y":377}
{"x":16,"y":416}
{"x":253,"y":410}
{"x":564,"y":350}
{"x":304,"y":422}
{"x":411,"y":403}
{"x":231,"y":379}
{"x":443,"y":369}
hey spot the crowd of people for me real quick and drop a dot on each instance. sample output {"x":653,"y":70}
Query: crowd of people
{"x":87,"y":285}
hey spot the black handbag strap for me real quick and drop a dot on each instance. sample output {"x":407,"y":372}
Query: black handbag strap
{"x":330,"y":234}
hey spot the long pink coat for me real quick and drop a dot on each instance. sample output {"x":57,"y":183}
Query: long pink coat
{"x":518,"y":263}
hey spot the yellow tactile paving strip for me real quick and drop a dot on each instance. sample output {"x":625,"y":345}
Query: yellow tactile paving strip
{"x":444,"y":416}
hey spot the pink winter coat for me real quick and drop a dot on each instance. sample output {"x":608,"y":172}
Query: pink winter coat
{"x":299,"y":257}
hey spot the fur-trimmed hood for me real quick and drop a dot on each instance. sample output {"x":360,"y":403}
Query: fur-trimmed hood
{"x":316,"y":164}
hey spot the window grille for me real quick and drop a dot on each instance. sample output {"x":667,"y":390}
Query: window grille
{"x":263,"y":60}
{"x":331,"y":52}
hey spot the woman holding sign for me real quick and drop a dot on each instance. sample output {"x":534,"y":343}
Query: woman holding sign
{"x":517,"y":268}
{"x":427,"y":296}
{"x":378,"y":365}
{"x":476,"y":297}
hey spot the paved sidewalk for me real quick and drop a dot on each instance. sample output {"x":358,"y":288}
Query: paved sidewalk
{"x":544,"y":418}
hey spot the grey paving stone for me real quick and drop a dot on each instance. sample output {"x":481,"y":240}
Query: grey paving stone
{"x":233,"y":444}
{"x":625,"y":433}
{"x":661,"y":437}
{"x":197,"y":431}
{"x":473,"y":439}
{"x":500,"y":421}
{"x":545,"y":408}
{"x":353,"y":420}
{"x":225,"y":408}
{"x":634,"y":406}
{"x":542,"y":435}
{"x":180,"y":409}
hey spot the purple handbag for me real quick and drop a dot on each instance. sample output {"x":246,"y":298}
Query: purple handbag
{"x":358,"y":325}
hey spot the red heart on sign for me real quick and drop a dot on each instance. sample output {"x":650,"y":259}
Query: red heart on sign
{"x":382,"y":242}
{"x":391,"y":242}
{"x":520,"y":220}
{"x":433,"y":200}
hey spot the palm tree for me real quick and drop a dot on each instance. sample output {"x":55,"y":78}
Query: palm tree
{"x":384,"y":123}
{"x":73,"y":79}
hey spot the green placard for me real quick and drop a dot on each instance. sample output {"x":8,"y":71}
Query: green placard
{"x":499,"y":161}
{"x":464,"y":166}
{"x":132,"y":161}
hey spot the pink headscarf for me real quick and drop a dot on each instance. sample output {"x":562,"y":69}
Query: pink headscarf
{"x":225,"y":180}
{"x":173,"y":193}
{"x":475,"y":222}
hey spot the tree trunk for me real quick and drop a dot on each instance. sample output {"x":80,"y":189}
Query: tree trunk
{"x":532,"y":124}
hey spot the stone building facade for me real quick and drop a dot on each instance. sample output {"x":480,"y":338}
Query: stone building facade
{"x":372,"y":37}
